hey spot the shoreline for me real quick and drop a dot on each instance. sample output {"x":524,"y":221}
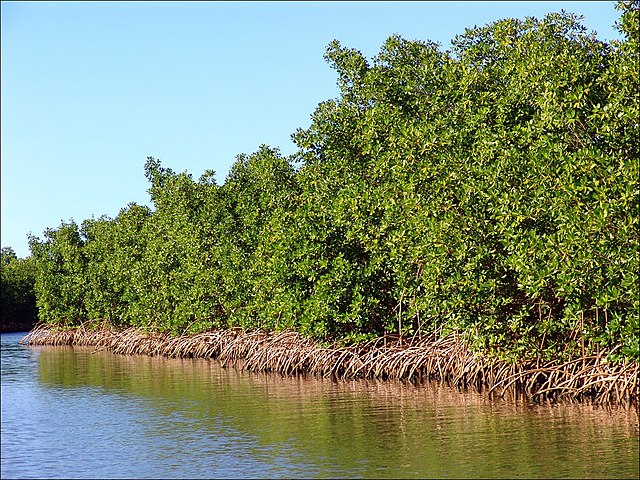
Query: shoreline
{"x":17,"y":326}
{"x":589,"y":379}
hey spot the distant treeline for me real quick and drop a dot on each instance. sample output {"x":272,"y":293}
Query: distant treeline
{"x":18,"y":310}
{"x":490,"y":189}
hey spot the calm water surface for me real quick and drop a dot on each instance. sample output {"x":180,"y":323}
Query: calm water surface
{"x":75,"y":413}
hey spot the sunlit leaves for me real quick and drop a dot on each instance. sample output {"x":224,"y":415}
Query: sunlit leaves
{"x":490,"y":189}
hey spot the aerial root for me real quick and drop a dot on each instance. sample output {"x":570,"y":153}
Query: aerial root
{"x":446,"y":359}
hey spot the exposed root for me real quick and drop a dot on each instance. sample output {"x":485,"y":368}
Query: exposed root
{"x":587,"y":379}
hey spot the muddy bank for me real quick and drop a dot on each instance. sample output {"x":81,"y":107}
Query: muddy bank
{"x":589,"y":379}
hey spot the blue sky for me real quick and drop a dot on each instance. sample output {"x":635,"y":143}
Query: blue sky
{"x":90,"y":89}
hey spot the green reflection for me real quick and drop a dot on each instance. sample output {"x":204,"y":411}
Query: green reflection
{"x":364,"y":428}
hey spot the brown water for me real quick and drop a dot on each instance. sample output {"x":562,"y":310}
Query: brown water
{"x":72,"y":413}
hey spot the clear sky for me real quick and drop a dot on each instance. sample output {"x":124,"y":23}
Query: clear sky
{"x":90,"y":89}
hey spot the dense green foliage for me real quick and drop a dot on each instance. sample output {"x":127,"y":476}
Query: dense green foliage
{"x":491,"y":189}
{"x":17,"y":297}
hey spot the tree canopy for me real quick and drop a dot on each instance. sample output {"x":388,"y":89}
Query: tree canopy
{"x":490,"y":189}
{"x":17,"y":297}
